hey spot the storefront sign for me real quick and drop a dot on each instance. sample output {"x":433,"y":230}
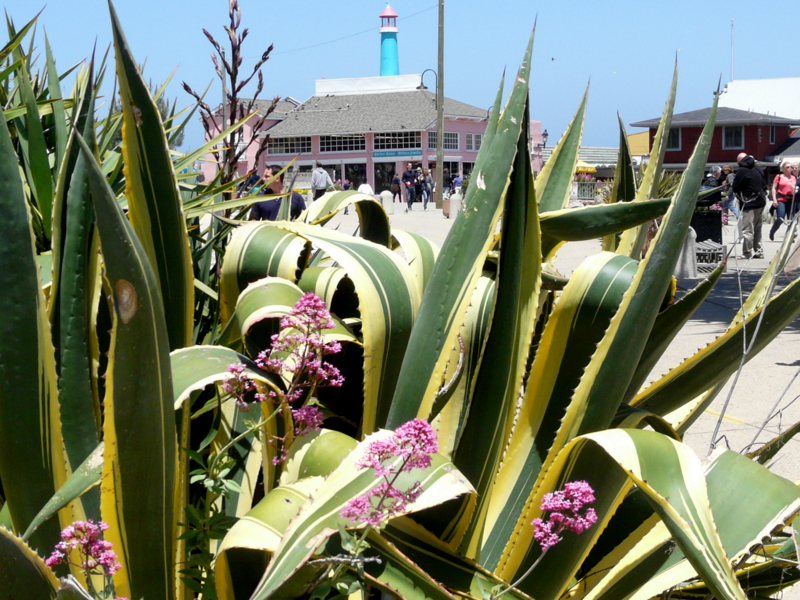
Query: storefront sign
{"x":393,"y":153}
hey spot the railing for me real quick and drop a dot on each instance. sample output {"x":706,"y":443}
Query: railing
{"x":587,"y":191}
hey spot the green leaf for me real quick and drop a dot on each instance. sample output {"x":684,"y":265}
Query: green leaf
{"x":138,"y":489}
{"x":420,"y":254}
{"x":590,"y":222}
{"x":317,"y":521}
{"x":84,"y":478}
{"x":632,"y":241}
{"x":554,"y":183}
{"x":372,"y":218}
{"x":23,"y":574}
{"x":154,"y":203}
{"x":503,"y":366}
{"x":31,"y":461}
{"x":388,"y":302}
{"x":458,"y":267}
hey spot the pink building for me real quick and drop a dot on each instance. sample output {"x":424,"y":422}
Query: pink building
{"x":369,"y":128}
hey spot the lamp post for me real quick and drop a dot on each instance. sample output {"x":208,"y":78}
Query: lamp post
{"x":538,"y":154}
{"x":439,"y":133}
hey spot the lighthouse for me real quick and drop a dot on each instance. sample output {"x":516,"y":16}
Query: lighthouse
{"x":390,"y":62}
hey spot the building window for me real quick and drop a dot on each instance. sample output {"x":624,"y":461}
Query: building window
{"x":474,"y":142}
{"x":674,"y":139}
{"x":432,"y":140}
{"x":450,"y":140}
{"x":290,"y":145}
{"x":398,"y":140}
{"x":772,"y":134}
{"x":733,"y":137}
{"x":342,"y":143}
{"x":467,"y":168}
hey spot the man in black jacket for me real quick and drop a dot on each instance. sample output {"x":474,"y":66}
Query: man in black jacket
{"x":749,"y":187}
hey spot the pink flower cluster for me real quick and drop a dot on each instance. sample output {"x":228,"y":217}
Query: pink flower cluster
{"x":564,"y":508}
{"x":84,"y":536}
{"x":412,"y":443}
{"x":306,"y":418}
{"x":301,"y":351}
{"x":238,"y":384}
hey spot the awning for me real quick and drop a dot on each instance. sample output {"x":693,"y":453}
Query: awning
{"x":584,"y":167}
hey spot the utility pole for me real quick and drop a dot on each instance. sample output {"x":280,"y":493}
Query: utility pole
{"x":440,"y":112}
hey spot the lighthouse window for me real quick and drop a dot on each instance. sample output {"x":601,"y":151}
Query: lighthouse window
{"x":398,"y":140}
{"x":290,"y":145}
{"x":342,"y":143}
{"x":450,"y":140}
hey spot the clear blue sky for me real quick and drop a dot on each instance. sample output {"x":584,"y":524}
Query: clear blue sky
{"x":626,"y":48}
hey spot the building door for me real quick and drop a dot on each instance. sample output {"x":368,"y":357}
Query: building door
{"x":355,"y":174}
{"x":384,"y":173}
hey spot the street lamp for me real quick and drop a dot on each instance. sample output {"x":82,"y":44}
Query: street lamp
{"x":544,"y":139}
{"x":439,"y":133}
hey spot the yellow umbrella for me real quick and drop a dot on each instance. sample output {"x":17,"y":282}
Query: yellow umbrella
{"x":584,"y":167}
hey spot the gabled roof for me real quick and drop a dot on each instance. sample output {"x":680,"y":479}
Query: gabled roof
{"x":725,"y":116}
{"x":779,"y":96}
{"x":359,"y":113}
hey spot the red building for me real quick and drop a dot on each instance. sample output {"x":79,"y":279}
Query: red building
{"x":735,"y":131}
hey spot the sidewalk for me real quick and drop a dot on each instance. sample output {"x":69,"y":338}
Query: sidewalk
{"x":762,"y":380}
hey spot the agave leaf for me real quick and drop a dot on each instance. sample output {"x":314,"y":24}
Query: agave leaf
{"x":31,"y":461}
{"x":254,"y":251}
{"x":256,"y":536}
{"x":573,"y":330}
{"x":632,"y":241}
{"x":463,"y":576}
{"x":505,"y":355}
{"x":372,"y":218}
{"x":450,"y":410}
{"x":590,"y":222}
{"x":554,"y":183}
{"x":744,"y":515}
{"x":138,"y":489}
{"x":670,"y":476}
{"x":668,"y":324}
{"x":23,"y":574}
{"x":154,"y":202}
{"x":420,"y":255}
{"x":624,"y":186}
{"x":72,"y":305}
{"x":317,"y":521}
{"x":59,"y":110}
{"x":388,"y":304}
{"x":607,"y":376}
{"x":629,"y":417}
{"x":82,"y":479}
{"x":316,"y":454}
{"x":34,"y":150}
{"x":334,"y":286}
{"x":457,"y":269}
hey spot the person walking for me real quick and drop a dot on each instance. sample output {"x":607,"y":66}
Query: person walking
{"x":320,"y":181}
{"x":749,"y":186}
{"x":782,"y":194}
{"x":427,"y":187}
{"x":410,"y":183}
{"x":727,"y":189}
{"x":267,"y":210}
{"x":396,"y":185}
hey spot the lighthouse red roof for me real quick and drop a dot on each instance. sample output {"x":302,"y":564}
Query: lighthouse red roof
{"x":388,"y":13}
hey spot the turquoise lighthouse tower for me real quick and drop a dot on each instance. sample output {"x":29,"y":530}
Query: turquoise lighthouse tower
{"x":390,"y":62}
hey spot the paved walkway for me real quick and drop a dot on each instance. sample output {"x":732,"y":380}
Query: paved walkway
{"x":762,"y":380}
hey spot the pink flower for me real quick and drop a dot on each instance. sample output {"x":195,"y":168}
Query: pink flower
{"x":408,"y":448}
{"x":84,"y":536}
{"x":565,"y":508}
{"x":306,"y":418}
{"x":238,"y":384}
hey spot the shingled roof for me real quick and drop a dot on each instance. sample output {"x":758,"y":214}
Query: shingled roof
{"x":725,"y":116}
{"x":359,"y":113}
{"x":282,"y":108}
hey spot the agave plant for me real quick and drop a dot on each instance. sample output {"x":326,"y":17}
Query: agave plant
{"x":531,"y":380}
